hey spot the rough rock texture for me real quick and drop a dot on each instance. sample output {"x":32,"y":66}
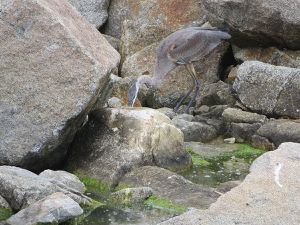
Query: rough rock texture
{"x":3,"y":203}
{"x":118,"y":140}
{"x":53,"y":65}
{"x":21,"y":187}
{"x":269,"y":55}
{"x":141,"y":23}
{"x":279,"y":131}
{"x":240,"y":116}
{"x":195,"y":131}
{"x":95,"y":11}
{"x":267,"y":89}
{"x":142,"y":62}
{"x":263,"y":22}
{"x":243,"y":131}
{"x":132,"y":195}
{"x":268,"y":195}
{"x":167,"y":184}
{"x":64,"y":178}
{"x":218,"y":93}
{"x":55,"y":208}
{"x":115,"y":42}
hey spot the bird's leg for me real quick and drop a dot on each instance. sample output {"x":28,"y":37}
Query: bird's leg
{"x":189,"y":92}
{"x":192,"y":71}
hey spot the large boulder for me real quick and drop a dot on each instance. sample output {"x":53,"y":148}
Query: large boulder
{"x":141,"y":23}
{"x":53,"y":209}
{"x":279,"y":131}
{"x":21,"y":187}
{"x":267,"y":89}
{"x":268,"y":195}
{"x":178,"y":81}
{"x":95,"y":11}
{"x":263,"y":22}
{"x":53,"y":65}
{"x":117,"y":140}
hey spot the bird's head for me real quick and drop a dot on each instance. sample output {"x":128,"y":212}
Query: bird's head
{"x":132,"y":94}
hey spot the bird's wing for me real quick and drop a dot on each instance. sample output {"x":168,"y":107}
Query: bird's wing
{"x":194,"y":44}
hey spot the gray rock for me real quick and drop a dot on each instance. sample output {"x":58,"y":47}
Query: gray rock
{"x":4,"y":203}
{"x":53,"y":66}
{"x":129,"y":196}
{"x":114,"y":42}
{"x":168,"y":112}
{"x":157,"y":17}
{"x":185,"y":117}
{"x":21,"y":187}
{"x":95,"y":11}
{"x":214,"y":111}
{"x":279,"y":131}
{"x":262,"y":143}
{"x":118,"y":140}
{"x":240,"y":116}
{"x":178,"y":81}
{"x":243,"y":131}
{"x":218,"y":93}
{"x":114,"y":102}
{"x":258,"y":22}
{"x":266,"y":196}
{"x":269,"y":55}
{"x":227,"y":186}
{"x":167,"y":184}
{"x":195,"y":131}
{"x":269,"y":90}
{"x":64,"y":179}
{"x":55,"y":208}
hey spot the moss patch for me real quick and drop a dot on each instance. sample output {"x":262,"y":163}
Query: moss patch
{"x":5,"y":213}
{"x":164,"y":204}
{"x":197,"y":159}
{"x":93,"y":185}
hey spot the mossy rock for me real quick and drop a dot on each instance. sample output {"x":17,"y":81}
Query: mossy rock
{"x":164,"y":204}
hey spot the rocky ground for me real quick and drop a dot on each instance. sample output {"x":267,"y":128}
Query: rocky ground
{"x":65,"y":70}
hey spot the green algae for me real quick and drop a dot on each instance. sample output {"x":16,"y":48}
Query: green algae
{"x":164,"y":204}
{"x":5,"y":213}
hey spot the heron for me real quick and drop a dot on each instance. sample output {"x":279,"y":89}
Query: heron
{"x":182,"y":47}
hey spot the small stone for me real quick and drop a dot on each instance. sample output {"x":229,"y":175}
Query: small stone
{"x":132,"y":195}
{"x":114,"y":102}
{"x":229,"y":140}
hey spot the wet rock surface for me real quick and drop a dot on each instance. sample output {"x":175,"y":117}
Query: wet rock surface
{"x":55,"y":208}
{"x":51,"y":73}
{"x":266,"y":196}
{"x":170,"y":185}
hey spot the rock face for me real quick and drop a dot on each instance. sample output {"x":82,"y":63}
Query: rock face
{"x":178,"y":81}
{"x":132,"y":195}
{"x":269,"y":55}
{"x":118,"y":140}
{"x":95,"y":11}
{"x":141,"y":23}
{"x":240,"y":116}
{"x":55,"y":208}
{"x":53,"y":65}
{"x":252,"y":22}
{"x":269,"y":90}
{"x":21,"y":187}
{"x":279,"y":131}
{"x":267,"y":195}
{"x":167,"y":184}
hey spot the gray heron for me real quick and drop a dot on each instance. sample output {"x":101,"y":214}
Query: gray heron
{"x":182,"y":47}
